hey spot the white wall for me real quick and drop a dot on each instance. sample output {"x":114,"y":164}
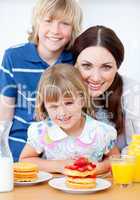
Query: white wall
{"x":121,"y":15}
{"x":15,"y":18}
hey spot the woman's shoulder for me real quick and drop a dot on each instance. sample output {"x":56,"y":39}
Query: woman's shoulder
{"x":130,"y":84}
{"x":131,"y":98}
{"x":131,"y":90}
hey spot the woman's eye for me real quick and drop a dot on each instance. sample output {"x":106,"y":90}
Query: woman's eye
{"x":106,"y":67}
{"x":86,"y":66}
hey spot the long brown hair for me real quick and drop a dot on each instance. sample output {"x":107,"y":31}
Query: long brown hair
{"x":106,"y":37}
{"x":60,"y":79}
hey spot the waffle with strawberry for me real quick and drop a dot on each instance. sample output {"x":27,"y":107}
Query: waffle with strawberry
{"x":81,"y":175}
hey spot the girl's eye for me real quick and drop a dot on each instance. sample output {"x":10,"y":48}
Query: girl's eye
{"x":68,"y":103}
{"x":53,"y":107}
{"x":47,"y":20}
{"x":66,"y":23}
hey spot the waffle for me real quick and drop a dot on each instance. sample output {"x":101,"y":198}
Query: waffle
{"x":25,"y":171}
{"x":81,"y":175}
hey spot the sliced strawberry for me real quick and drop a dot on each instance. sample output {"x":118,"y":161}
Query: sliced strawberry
{"x":81,"y":161}
{"x":93,"y":165}
{"x":73,"y":167}
{"x":82,"y":169}
{"x":89,"y":167}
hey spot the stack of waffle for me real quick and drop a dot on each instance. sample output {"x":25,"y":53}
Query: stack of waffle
{"x":25,"y":171}
{"x":81,"y":175}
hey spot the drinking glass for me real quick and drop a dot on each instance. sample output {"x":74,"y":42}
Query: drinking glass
{"x":123,"y":169}
{"x":6,"y":160}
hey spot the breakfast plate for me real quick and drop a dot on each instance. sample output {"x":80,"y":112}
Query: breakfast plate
{"x":42,"y":176}
{"x":59,"y":183}
{"x":104,"y":175}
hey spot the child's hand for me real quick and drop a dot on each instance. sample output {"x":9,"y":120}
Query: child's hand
{"x":62,"y":164}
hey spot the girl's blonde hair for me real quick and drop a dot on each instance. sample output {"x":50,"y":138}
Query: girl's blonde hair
{"x":58,"y":81}
{"x":67,"y":9}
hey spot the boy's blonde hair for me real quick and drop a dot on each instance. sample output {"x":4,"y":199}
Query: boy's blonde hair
{"x":58,"y":81}
{"x":67,"y":9}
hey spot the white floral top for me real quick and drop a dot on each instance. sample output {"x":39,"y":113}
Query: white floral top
{"x":96,"y":139}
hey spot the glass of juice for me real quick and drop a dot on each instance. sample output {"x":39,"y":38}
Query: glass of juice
{"x":123,"y":169}
{"x":134,"y":149}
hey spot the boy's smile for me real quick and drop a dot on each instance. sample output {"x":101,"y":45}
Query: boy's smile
{"x":54,"y":35}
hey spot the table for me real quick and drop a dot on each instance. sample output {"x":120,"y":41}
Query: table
{"x":44,"y":192}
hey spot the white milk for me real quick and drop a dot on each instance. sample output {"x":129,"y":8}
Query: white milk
{"x":6,"y":174}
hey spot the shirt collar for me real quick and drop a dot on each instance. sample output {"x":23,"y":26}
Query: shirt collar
{"x":31,"y":54}
{"x":55,"y":133}
{"x":65,"y":57}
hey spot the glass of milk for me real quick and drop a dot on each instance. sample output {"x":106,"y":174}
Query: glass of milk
{"x":6,"y":160}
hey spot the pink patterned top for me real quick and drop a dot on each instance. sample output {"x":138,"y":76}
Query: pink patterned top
{"x":96,"y":139}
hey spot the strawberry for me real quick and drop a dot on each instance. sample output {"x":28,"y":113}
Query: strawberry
{"x":81,"y":169}
{"x":82,"y":161}
{"x":73,"y":167}
{"x":89,"y":167}
{"x":93,"y":165}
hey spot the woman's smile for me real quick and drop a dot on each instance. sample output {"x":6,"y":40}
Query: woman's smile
{"x":94,"y":86}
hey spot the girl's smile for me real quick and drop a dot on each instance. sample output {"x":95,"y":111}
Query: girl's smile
{"x":66,"y":113}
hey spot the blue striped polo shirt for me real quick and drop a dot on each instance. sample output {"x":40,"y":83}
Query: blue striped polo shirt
{"x":19,"y":75}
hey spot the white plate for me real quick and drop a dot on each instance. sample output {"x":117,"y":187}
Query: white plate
{"x":59,"y":183}
{"x":42,"y":176}
{"x":107,"y":174}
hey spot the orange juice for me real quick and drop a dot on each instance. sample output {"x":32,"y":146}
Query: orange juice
{"x":136,"y":177}
{"x":137,"y":169}
{"x":136,"y":153}
{"x":134,"y":149}
{"x":122,"y":172}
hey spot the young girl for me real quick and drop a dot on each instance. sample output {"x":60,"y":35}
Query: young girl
{"x":66,"y":132}
{"x":55,"y":25}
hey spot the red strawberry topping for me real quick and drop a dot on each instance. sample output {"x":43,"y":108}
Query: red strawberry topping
{"x":82,"y":161}
{"x":73,"y":167}
{"x":82,"y":164}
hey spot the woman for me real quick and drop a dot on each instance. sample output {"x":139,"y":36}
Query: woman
{"x":115,"y":99}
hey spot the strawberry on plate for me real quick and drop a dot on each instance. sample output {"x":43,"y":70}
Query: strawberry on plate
{"x":82,"y":161}
{"x":82,"y":174}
